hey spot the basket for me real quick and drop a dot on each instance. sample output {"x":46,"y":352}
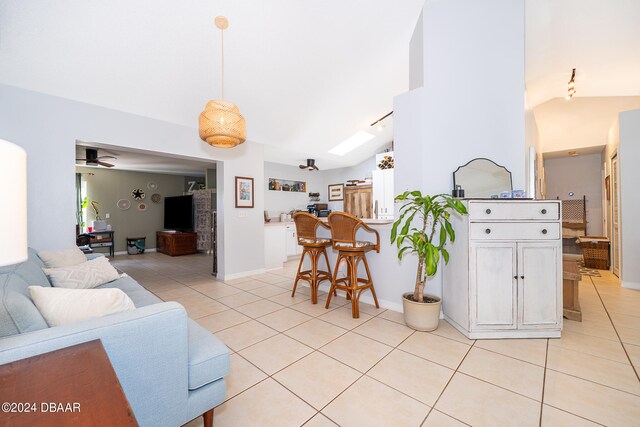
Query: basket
{"x":135,"y":245}
{"x":595,"y":252}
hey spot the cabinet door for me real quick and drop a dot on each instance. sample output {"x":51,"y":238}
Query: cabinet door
{"x":493,"y":286}
{"x":291,"y":241}
{"x":539,"y":284}
{"x":366,"y":201}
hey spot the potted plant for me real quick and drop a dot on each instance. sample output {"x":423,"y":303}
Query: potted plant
{"x":426,"y":238}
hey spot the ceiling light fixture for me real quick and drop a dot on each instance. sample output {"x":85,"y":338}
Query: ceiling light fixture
{"x":571,"y":89}
{"x":310,"y":166}
{"x":351,"y":143}
{"x":221,"y":124}
{"x":378,"y":122}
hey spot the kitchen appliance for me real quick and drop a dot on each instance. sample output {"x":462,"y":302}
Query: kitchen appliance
{"x":323,"y":213}
{"x":311,"y":209}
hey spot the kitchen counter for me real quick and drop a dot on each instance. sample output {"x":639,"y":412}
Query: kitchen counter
{"x":369,"y":221}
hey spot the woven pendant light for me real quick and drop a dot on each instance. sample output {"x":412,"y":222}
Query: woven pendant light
{"x":221,"y":123}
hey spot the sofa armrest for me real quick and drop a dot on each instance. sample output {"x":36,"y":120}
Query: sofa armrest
{"x":147,"y":348}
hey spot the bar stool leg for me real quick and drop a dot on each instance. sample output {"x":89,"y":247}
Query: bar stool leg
{"x":332,"y":290}
{"x":314,"y":275}
{"x":295,"y":284}
{"x":355,"y":311}
{"x":370,"y":280}
{"x":326,"y":258}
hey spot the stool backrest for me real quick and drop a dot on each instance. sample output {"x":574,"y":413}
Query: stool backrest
{"x":343,"y":227}
{"x":306,"y":225}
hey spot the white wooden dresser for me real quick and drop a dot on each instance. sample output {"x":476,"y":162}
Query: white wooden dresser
{"x":504,"y":277}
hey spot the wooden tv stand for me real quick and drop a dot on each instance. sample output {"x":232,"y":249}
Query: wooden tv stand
{"x":175,"y":244}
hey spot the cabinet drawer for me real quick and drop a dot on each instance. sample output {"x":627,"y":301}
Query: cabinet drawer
{"x":514,"y":231}
{"x":514,"y":211}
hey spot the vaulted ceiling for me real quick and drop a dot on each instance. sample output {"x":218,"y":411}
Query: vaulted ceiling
{"x":306,"y":74}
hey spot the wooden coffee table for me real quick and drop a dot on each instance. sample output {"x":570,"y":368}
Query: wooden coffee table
{"x":68,"y":387}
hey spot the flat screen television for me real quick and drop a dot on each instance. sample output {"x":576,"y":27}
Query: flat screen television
{"x":178,"y":213}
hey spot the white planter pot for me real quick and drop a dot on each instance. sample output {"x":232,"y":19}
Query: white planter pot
{"x":421,"y":316}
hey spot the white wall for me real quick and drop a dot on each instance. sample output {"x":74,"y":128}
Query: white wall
{"x":276,"y":202}
{"x":532,"y":139}
{"x":629,"y":154}
{"x":47,"y":128}
{"x":416,"y":57}
{"x":583,"y":176}
{"x":341,"y":175}
{"x":472,"y":102}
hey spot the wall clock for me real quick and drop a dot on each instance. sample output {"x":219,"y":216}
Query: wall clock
{"x":137,"y":194}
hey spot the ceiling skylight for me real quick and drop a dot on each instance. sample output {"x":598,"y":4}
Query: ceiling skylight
{"x":351,"y":143}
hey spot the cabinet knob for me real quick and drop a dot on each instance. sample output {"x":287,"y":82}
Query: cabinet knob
{"x":522,"y":277}
{"x":544,"y":231}
{"x":488,"y":231}
{"x":488,"y":211}
{"x":544,"y":211}
{"x":515,"y":277}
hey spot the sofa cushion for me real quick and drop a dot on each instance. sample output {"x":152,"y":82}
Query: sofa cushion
{"x":208,"y":357}
{"x":139,"y":295}
{"x":30,"y":270}
{"x":62,"y":258}
{"x":87,"y":275}
{"x":17,"y":312}
{"x":60,"y":306}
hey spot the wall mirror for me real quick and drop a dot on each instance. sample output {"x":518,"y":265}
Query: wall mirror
{"x":482,"y":178}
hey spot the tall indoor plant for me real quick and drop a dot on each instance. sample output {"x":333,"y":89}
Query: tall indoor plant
{"x":426,"y":237}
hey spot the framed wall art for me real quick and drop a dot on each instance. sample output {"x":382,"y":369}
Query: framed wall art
{"x":244,"y":192}
{"x":336,"y":192}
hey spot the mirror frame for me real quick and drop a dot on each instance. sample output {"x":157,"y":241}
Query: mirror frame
{"x":482,"y":158}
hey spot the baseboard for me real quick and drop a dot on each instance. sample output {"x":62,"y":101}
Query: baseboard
{"x":630,"y":285}
{"x":243,"y":274}
{"x":127,"y":253}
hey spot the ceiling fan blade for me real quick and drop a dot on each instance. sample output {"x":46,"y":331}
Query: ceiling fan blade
{"x":107,"y":157}
{"x":302,"y":166}
{"x":105,"y":164}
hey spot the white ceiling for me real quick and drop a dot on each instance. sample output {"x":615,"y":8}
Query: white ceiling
{"x":579,"y":123}
{"x":305,"y":74}
{"x":600,"y":38}
{"x":141,"y":161}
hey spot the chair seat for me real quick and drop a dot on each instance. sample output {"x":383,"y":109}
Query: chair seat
{"x":358,"y":244}
{"x":318,"y":241}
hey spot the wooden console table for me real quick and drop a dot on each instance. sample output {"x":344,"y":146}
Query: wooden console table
{"x":69,"y":387}
{"x":103,"y":239}
{"x":570,"y":286}
{"x":174,"y":244}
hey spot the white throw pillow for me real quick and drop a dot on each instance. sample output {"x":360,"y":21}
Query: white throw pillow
{"x":64,"y":258}
{"x":60,"y":306}
{"x":89,"y":274}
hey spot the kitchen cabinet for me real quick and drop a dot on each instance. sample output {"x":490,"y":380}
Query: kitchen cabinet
{"x":358,"y":201}
{"x":275,"y":252}
{"x":504,"y":277}
{"x":383,"y":193}
{"x":291,"y":240}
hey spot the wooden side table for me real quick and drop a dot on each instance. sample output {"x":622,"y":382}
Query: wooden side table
{"x":68,"y":387}
{"x":103,"y":239}
{"x":570,"y":286}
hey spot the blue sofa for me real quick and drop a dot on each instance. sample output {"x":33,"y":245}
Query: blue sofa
{"x":170,"y":368}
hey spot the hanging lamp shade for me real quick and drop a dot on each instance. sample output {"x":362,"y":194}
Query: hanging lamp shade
{"x":222,"y":125}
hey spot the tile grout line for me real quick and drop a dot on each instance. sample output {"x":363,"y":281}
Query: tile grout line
{"x":615,"y":329}
{"x":544,"y":381}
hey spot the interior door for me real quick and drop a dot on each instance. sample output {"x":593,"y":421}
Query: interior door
{"x":538,"y":284}
{"x":615,"y":215}
{"x":493,"y":286}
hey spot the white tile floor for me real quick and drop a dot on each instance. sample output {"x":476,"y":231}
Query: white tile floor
{"x":296,"y":364}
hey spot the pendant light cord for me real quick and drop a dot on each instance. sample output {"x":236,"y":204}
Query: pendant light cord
{"x":222,"y":64}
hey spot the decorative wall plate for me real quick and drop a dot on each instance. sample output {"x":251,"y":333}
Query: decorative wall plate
{"x":123,"y":204}
{"x":142,"y":207}
{"x":152,"y":185}
{"x":138,"y":194}
{"x":156,"y":198}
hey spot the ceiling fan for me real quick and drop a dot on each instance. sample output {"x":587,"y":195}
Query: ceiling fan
{"x":311,"y":165}
{"x":92,"y":159}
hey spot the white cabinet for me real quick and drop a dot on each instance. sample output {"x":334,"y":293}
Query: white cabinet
{"x":504,"y":278}
{"x":274,"y":246}
{"x":383,"y":193}
{"x":291,"y":239}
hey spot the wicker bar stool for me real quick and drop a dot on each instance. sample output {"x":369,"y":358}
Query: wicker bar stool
{"x":352,"y":251}
{"x":306,"y":228}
